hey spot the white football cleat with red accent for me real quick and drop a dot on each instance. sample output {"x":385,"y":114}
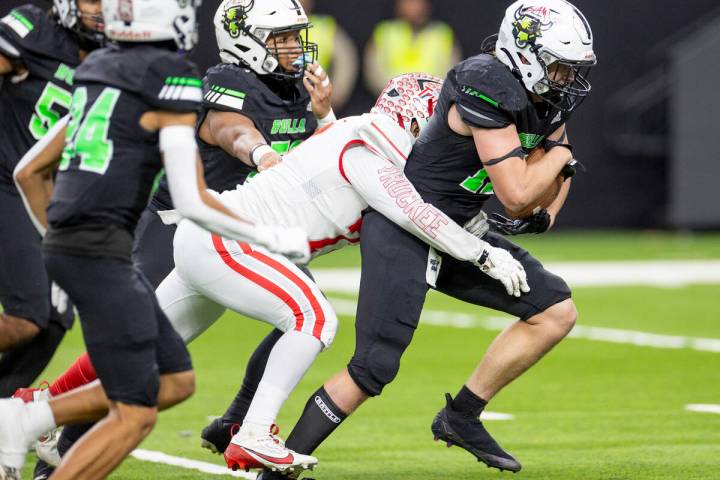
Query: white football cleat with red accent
{"x":28,"y":395}
{"x":46,"y":446}
{"x":14,"y":439}
{"x":265,"y":451}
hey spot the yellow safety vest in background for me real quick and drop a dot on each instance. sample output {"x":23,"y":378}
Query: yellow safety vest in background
{"x":323,"y":33}
{"x":430,"y":50}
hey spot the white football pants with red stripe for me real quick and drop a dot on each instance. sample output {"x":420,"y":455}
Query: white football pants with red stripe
{"x":213,"y":273}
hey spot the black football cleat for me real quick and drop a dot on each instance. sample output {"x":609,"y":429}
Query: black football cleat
{"x":216,"y":436}
{"x":42,"y":471}
{"x":466,"y":431}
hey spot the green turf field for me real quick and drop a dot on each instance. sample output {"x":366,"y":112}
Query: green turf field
{"x":590,"y":410}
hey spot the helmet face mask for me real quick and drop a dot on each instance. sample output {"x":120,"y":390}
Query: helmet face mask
{"x":565,"y":84}
{"x":410,"y":100}
{"x":548,"y":45}
{"x":71,"y":17}
{"x":255,"y":35}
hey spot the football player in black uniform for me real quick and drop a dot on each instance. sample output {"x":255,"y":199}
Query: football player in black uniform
{"x":493,"y":109}
{"x":263,"y":100}
{"x":39,"y":52}
{"x":255,"y":109}
{"x":266,"y":97}
{"x":134,"y":108}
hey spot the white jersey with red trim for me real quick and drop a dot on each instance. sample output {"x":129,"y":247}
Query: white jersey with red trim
{"x":324,"y":185}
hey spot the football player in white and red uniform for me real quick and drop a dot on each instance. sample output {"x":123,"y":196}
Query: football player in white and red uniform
{"x":322,"y":187}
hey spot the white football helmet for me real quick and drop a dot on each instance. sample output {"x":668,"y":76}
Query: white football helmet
{"x":410,"y":99}
{"x":242,"y":28}
{"x":69,"y":16}
{"x":152,"y":21}
{"x":535,"y":34}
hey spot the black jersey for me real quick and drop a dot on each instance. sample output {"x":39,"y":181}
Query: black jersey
{"x":279,"y":109}
{"x":110,"y":162}
{"x":33,"y":102}
{"x":444,"y":166}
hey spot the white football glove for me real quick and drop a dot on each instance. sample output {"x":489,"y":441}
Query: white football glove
{"x":291,"y":242}
{"x":500,"y":265}
{"x":58,"y":298}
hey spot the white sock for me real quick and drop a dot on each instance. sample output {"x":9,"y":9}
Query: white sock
{"x":290,"y":358}
{"x":38,"y":419}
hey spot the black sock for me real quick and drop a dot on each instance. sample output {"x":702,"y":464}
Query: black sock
{"x":253,"y":374}
{"x":319,"y":419}
{"x":70,"y":435}
{"x":467,"y":402}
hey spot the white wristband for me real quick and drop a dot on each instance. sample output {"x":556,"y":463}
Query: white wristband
{"x":258,"y":152}
{"x":329,"y":118}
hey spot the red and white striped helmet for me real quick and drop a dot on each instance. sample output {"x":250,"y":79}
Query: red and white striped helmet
{"x":408,"y":97}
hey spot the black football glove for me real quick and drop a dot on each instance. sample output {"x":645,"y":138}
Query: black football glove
{"x":538,"y":222}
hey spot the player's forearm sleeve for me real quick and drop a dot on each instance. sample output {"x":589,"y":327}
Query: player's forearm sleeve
{"x":386,"y":188}
{"x":179,"y":149}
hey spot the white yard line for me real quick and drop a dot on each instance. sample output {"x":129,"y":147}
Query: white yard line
{"x":491,"y":416}
{"x":666,"y":274}
{"x":601,"y":334}
{"x":204,"y":467}
{"x":703,"y":408}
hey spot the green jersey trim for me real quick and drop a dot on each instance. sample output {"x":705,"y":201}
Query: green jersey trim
{"x":225,"y":96}
{"x":182,"y":88}
{"x":184,"y":81}
{"x":17,"y":21}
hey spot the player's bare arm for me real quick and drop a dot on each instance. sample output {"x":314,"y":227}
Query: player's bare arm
{"x":34,"y":174}
{"x":154,"y":121}
{"x":6,"y":65}
{"x":516,"y":184}
{"x":177,"y":142}
{"x":236,"y":134}
{"x":560,"y":135}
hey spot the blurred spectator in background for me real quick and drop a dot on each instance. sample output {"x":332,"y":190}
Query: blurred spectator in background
{"x":336,"y":53}
{"x":412,"y":42}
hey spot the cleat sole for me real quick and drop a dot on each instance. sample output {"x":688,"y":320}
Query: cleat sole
{"x":442,"y":430}
{"x":210,"y":446}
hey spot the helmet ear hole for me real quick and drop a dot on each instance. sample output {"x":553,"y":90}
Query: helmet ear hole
{"x":523,"y":59}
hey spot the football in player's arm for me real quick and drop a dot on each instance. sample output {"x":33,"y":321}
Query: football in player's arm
{"x":494,"y":109}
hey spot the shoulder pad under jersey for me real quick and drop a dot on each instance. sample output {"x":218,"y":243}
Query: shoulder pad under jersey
{"x":173,"y":83}
{"x":232,"y":88}
{"x":384,"y":137}
{"x":28,"y":30}
{"x":487,"y":92}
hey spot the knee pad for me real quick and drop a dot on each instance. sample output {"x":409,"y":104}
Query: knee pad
{"x":380,"y":364}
